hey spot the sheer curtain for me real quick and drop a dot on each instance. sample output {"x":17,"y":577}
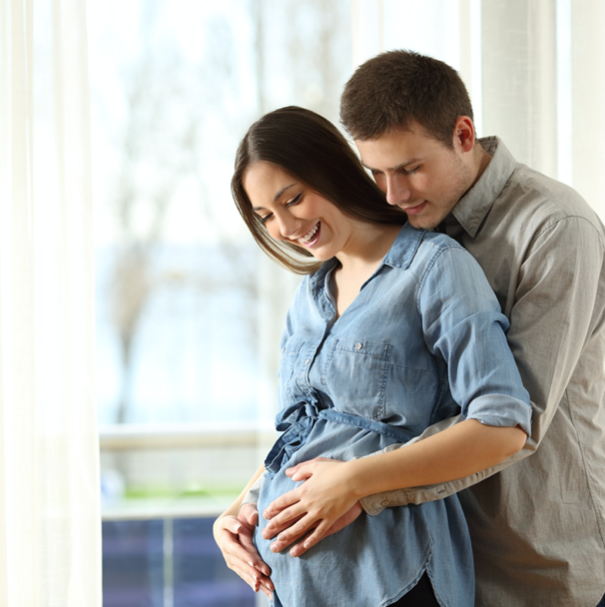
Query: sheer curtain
{"x":50,"y":541}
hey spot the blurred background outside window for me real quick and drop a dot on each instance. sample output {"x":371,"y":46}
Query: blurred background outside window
{"x":189,"y":311}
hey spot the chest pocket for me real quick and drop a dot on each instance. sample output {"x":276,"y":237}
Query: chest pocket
{"x":356,"y":374}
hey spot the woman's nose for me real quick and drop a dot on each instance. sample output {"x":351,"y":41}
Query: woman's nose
{"x":287,"y":225}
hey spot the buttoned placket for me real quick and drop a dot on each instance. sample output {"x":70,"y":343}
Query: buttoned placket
{"x":327,"y":310}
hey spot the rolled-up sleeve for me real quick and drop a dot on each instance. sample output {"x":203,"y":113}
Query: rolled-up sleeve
{"x":463,"y":324}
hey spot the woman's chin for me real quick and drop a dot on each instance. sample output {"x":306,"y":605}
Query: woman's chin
{"x":320,"y":253}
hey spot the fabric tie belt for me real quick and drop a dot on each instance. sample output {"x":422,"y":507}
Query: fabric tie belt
{"x":297,"y":421}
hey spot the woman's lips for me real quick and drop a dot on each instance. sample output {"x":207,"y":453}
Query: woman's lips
{"x":311,"y":237}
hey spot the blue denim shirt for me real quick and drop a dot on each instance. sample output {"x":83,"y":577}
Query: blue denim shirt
{"x":423,"y":340}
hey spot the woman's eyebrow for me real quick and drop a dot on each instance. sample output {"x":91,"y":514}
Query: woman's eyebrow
{"x":276,"y":197}
{"x":282,"y":191}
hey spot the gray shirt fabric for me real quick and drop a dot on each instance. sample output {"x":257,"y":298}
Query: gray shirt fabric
{"x":538,"y":527}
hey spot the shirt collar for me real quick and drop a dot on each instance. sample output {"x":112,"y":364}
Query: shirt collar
{"x":471,"y":209}
{"x":404,"y":248}
{"x":400,"y":255}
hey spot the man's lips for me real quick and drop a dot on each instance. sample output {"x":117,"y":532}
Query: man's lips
{"x":415,"y":210}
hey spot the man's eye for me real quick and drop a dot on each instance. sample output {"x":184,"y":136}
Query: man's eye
{"x":294,"y":200}
{"x":411,"y":171}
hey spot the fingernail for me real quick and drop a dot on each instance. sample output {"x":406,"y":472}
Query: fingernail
{"x":306,"y":544}
{"x":269,"y":586}
{"x":237,"y":528}
{"x":251,"y":563}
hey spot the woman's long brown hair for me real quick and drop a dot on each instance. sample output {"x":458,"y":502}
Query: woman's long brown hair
{"x":312,"y":150}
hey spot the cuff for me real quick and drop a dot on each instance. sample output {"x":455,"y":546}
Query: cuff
{"x":501,"y":410}
{"x":253,"y":493}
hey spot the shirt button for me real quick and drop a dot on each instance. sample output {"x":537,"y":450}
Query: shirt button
{"x":358,"y":346}
{"x":385,"y":503}
{"x":307,"y":361}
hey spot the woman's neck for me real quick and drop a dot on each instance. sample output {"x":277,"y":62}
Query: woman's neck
{"x":368,"y":246}
{"x":360,"y":260}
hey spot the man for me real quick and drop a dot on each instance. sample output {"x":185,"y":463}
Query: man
{"x":538,"y":526}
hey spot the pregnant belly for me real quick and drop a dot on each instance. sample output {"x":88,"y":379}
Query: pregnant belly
{"x":366,"y":563}
{"x":375,"y":558}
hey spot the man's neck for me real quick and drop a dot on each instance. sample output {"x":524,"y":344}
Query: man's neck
{"x":481,"y":161}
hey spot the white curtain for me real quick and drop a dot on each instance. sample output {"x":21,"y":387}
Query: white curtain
{"x":533,"y":69}
{"x":50,"y":540}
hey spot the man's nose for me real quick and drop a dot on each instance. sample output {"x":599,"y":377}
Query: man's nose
{"x":397,"y":190}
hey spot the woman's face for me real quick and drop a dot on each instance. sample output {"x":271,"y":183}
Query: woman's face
{"x":293,"y":212}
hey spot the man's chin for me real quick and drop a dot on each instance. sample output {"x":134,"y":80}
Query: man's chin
{"x":422,"y":223}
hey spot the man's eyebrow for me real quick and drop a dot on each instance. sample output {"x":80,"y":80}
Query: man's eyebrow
{"x":276,"y":197}
{"x":398,"y":167}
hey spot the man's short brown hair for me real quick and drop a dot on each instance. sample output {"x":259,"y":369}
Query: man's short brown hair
{"x":394,"y":89}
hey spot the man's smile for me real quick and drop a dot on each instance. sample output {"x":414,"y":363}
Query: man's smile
{"x":416,"y":209}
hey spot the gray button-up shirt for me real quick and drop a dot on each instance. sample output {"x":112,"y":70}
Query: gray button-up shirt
{"x":538,"y":527}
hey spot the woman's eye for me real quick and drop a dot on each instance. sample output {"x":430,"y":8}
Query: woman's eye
{"x":266,"y":218}
{"x":294,"y":200}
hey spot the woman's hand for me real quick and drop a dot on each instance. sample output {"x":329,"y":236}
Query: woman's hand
{"x":325,"y":502}
{"x":234,"y":538}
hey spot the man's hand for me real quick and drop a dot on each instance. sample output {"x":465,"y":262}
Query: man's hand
{"x":248,"y":513}
{"x":234,"y":538}
{"x":325,"y":502}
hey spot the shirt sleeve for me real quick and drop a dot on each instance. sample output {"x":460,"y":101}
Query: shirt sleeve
{"x":463,"y":324}
{"x":254,"y":492}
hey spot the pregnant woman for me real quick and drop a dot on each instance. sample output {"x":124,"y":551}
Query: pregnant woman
{"x":392,"y":330}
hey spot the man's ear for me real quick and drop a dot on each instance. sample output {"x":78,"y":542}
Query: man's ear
{"x":464,"y":134}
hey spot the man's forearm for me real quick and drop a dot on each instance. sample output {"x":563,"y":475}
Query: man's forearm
{"x":461,"y":450}
{"x":375,"y":503}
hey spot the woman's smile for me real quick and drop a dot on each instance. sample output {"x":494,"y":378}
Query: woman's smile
{"x":293,"y":212}
{"x":312,"y":236}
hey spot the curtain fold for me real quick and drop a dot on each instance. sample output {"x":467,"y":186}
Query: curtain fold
{"x":50,"y":537}
{"x":588,"y":100}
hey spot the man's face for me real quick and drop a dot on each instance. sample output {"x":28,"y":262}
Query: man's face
{"x":418,"y":173}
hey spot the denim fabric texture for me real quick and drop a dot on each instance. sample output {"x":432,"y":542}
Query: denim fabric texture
{"x":423,"y":340}
{"x":602,"y":602}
